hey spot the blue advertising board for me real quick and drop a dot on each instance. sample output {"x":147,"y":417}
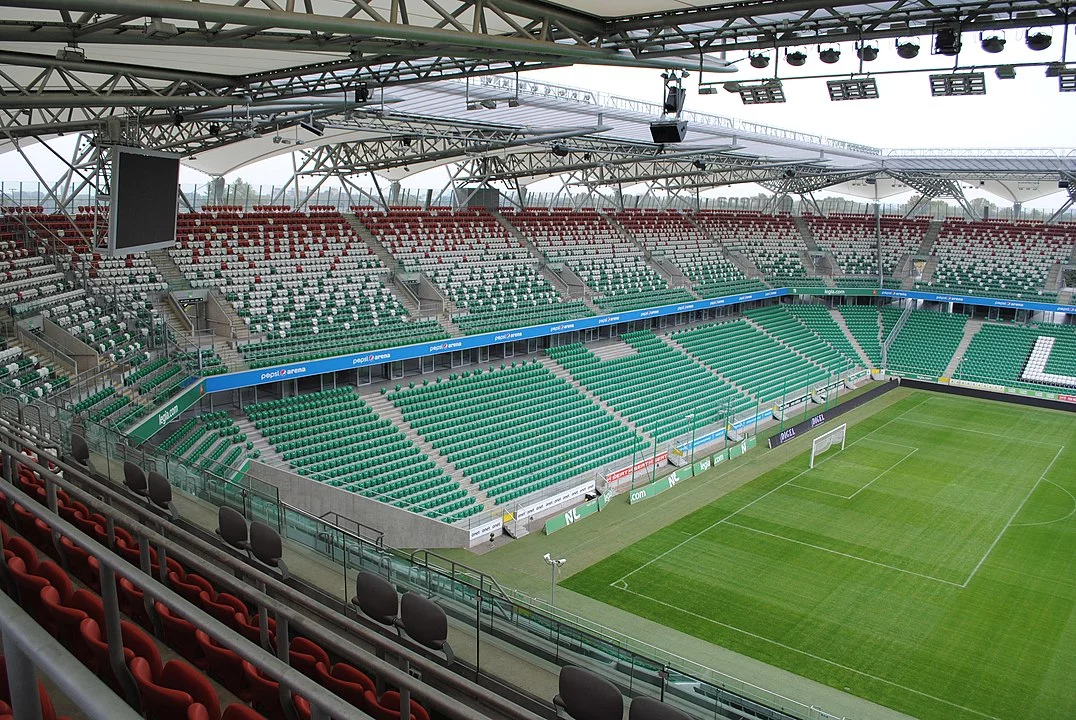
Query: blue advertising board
{"x":981,"y":301}
{"x":292,"y":371}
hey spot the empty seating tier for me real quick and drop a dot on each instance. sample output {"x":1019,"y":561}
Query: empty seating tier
{"x":853,"y":239}
{"x":863,"y":323}
{"x":779,"y":322}
{"x":610,"y":264}
{"x":27,"y":376}
{"x":926,"y":343}
{"x":670,"y":235}
{"x":1000,"y":259}
{"x":998,"y":354}
{"x":334,"y":437}
{"x":303,"y":280}
{"x":515,"y":430}
{"x":817,"y":318}
{"x":486,"y":273}
{"x":752,"y":359}
{"x":773,"y":242}
{"x":657,"y":387}
{"x":211,"y":441}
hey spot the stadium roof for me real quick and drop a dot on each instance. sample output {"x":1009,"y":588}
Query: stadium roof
{"x":219,"y":80}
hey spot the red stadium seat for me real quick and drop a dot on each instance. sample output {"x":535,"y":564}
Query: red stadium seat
{"x":83,"y":565}
{"x":180,"y":635}
{"x":346,"y":683}
{"x":64,"y":621}
{"x":265,"y":693}
{"x":169,"y":694}
{"x":225,"y":608}
{"x":305,"y":654}
{"x":47,"y":711}
{"x":225,"y":666}
{"x":388,"y":708}
{"x":29,"y":587}
{"x":190,"y":587}
{"x":132,"y":603}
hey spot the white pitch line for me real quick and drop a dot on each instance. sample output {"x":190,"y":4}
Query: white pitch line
{"x":898,"y":462}
{"x":1013,"y":516}
{"x":1055,"y":520}
{"x":823,"y":492}
{"x":760,"y":497}
{"x":977,"y":432}
{"x":842,"y":554}
{"x":811,"y":655}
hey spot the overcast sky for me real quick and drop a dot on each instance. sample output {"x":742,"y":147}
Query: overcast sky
{"x":1028,"y":112}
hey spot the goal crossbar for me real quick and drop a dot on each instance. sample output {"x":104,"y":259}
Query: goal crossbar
{"x":827,"y":440}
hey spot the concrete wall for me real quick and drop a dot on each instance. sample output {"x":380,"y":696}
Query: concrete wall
{"x":217,"y":320}
{"x":402,"y":529}
{"x":85,"y":357}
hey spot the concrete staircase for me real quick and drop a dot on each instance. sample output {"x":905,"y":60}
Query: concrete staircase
{"x":381,"y":405}
{"x":608,"y":353}
{"x":171,"y":315}
{"x":839,"y":319}
{"x":970,"y":329}
{"x":169,"y":270}
{"x":242,"y":333}
{"x":367,"y":237}
{"x":806,"y":234}
{"x":269,"y":455}
{"x":926,"y":247}
{"x":1053,"y":278}
{"x":665,"y":268}
{"x":544,"y":269}
{"x":231,"y":357}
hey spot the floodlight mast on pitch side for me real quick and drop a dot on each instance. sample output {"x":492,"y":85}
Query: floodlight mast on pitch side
{"x":553,"y":566}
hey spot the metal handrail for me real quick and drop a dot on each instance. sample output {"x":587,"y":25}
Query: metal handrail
{"x":227,"y":572}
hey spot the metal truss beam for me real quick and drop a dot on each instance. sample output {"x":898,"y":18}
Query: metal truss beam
{"x":762,"y":24}
{"x":931,"y":187}
{"x":1071,"y":190}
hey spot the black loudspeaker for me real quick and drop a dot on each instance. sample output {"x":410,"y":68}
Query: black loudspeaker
{"x":668,"y":131}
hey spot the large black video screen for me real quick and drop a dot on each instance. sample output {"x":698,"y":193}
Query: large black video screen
{"x":145,"y":199}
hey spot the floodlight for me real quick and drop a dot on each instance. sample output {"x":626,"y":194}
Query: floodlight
{"x":958,"y":84}
{"x":852,"y":89}
{"x":1005,"y":72}
{"x":158,"y":28}
{"x":1038,"y":40}
{"x":489,"y":104}
{"x":472,"y":106}
{"x":1055,"y":69}
{"x":674,"y":99}
{"x":214,"y":128}
{"x":758,"y":92}
{"x":796,"y":58}
{"x":907,"y":50}
{"x":560,"y":151}
{"x":699,"y":164}
{"x":947,"y":41}
{"x":829,"y":55}
{"x":513,"y":102}
{"x":867,"y":53}
{"x":362,"y":93}
{"x":71,"y":53}
{"x":177,"y":117}
{"x":992,"y":44}
{"x":313,"y":127}
{"x":707,"y":90}
{"x":759,"y":61}
{"x":1066,"y":81}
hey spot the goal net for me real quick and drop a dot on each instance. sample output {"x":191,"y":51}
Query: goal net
{"x":826,"y":441}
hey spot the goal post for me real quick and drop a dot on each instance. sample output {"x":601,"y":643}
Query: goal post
{"x":827,"y":440}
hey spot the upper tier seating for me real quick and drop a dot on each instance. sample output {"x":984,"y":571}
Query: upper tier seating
{"x":657,"y":387}
{"x":999,"y":353}
{"x":703,"y":261}
{"x":596,"y":251}
{"x":515,"y":430}
{"x":28,"y":376}
{"x":778,"y":321}
{"x":851,"y":240}
{"x":773,"y":242}
{"x":1000,"y":259}
{"x":817,"y":318}
{"x":303,"y":279}
{"x":926,"y":343}
{"x":752,"y":359}
{"x":863,"y":323}
{"x":488,"y":274}
{"x":334,"y":437}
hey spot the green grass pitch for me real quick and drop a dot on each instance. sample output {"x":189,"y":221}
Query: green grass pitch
{"x":930,"y":566}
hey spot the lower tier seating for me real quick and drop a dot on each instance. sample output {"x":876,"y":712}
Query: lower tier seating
{"x":998,"y":354}
{"x":334,"y":437}
{"x":779,"y":322}
{"x":211,"y":441}
{"x":817,"y":318}
{"x":27,"y":376}
{"x":926,"y":343}
{"x":753,"y":360}
{"x":515,"y":430}
{"x":657,"y":387}
{"x":863,"y":323}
